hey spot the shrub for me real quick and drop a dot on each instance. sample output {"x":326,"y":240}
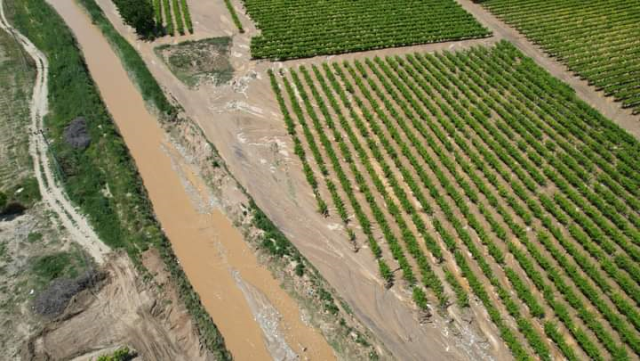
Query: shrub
{"x":121,"y":354}
{"x":52,"y":266}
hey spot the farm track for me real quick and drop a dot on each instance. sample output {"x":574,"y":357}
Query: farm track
{"x":44,"y":169}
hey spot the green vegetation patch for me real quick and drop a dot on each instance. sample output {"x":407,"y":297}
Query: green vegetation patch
{"x":197,"y":62}
{"x":598,"y":40}
{"x":62,"y":264}
{"x":121,"y":354}
{"x":3,"y":201}
{"x":138,"y":14}
{"x":306,"y":28}
{"x":22,"y":195}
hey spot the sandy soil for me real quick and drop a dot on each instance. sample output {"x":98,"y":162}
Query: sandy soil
{"x":124,"y":311}
{"x":253,"y":313}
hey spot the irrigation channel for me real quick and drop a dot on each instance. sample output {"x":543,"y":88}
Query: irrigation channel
{"x":257,"y":318}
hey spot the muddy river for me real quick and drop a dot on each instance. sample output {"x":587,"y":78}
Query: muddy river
{"x":258,"y":320}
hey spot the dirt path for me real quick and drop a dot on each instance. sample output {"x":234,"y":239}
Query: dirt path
{"x":52,"y":192}
{"x":605,"y":105}
{"x":256,"y":317}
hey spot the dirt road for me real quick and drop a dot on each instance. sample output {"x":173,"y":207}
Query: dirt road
{"x":256,"y":317}
{"x":52,"y":192}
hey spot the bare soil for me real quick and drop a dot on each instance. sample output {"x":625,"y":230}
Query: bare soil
{"x":143,"y":313}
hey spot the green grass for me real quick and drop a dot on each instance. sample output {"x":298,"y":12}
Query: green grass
{"x":121,"y":354}
{"x":48,"y":268}
{"x":34,"y":237}
{"x":16,"y":80}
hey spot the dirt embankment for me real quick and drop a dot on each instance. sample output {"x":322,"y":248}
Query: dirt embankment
{"x":126,"y":309}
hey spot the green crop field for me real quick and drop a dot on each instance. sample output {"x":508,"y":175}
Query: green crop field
{"x":599,"y":40}
{"x":306,"y":28}
{"x":478,"y":174}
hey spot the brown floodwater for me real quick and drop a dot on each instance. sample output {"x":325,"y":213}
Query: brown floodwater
{"x":219,"y":264}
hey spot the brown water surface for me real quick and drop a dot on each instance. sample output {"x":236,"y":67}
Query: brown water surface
{"x":208,"y":247}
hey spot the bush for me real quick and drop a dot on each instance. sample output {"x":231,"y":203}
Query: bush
{"x":52,"y":266}
{"x":139,"y":14}
{"x":121,"y":354}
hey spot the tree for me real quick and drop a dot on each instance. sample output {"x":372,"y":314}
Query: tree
{"x":139,"y":14}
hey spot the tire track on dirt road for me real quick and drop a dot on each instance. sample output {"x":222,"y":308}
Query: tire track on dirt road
{"x":52,"y":192}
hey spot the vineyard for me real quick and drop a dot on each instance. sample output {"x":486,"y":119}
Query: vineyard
{"x":478,"y":176}
{"x":598,"y":40}
{"x":173,"y":16}
{"x":307,"y":28}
